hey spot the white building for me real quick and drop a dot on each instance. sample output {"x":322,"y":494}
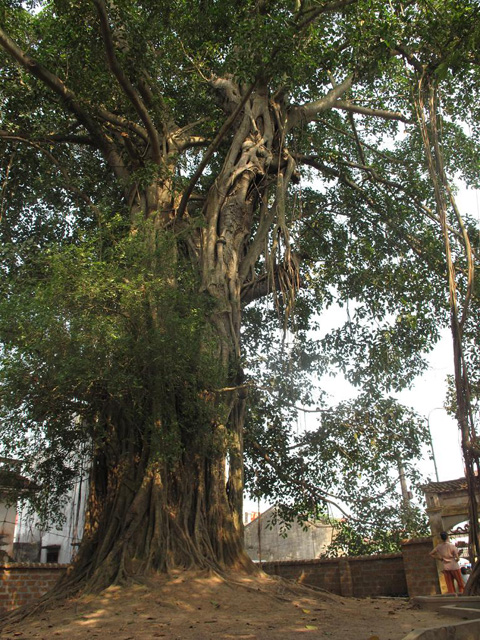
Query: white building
{"x":33,"y":542}
{"x":8,"y":510}
{"x":268,"y":540}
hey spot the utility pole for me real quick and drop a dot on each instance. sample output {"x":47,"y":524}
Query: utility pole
{"x":403,"y":485}
{"x":431,"y":440}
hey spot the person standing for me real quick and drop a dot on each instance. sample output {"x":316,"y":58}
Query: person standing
{"x":448,"y":554}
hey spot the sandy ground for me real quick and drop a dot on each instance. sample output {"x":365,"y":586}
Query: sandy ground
{"x":202,"y":606}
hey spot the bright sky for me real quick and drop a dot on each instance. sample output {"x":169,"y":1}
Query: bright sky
{"x":426,"y":397}
{"x":428,"y":392}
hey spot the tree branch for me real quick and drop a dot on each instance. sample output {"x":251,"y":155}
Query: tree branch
{"x":262,"y":286}
{"x":267,"y":218}
{"x":345,"y":105}
{"x":180,"y":139}
{"x":212,"y":148}
{"x":189,"y":142}
{"x":307,"y":112}
{"x":69,"y":99}
{"x":125,"y":83}
{"x":327,"y":8}
{"x":123,"y":123}
{"x":330,"y":171}
{"x":4,"y":186}
{"x":55,"y":137}
{"x":409,"y":57}
{"x":279,"y":469}
{"x":374,"y":150}
{"x":347,"y":181}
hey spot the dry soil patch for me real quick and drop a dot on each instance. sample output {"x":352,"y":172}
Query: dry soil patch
{"x":201,"y":606}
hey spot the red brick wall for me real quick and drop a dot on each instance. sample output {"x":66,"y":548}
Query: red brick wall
{"x":318,"y":573}
{"x":412,"y":572}
{"x":382,"y":575}
{"x":22,"y":583}
{"x":420,"y":569}
{"x":362,"y":576}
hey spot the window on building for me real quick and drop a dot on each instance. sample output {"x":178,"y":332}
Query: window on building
{"x":53,"y":553}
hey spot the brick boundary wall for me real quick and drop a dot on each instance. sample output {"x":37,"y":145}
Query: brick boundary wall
{"x":22,"y":583}
{"x":412,"y":572}
{"x":362,"y":576}
{"x":420,"y":569}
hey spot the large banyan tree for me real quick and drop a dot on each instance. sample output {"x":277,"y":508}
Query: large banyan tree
{"x":174,"y":169}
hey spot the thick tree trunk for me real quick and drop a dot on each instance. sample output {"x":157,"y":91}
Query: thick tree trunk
{"x":159,"y":518}
{"x":179,"y":504}
{"x":162,"y":495}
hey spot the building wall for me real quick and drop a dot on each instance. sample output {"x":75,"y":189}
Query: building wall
{"x":269,"y":541}
{"x":33,"y":541}
{"x":8,"y":516}
{"x":21,"y":584}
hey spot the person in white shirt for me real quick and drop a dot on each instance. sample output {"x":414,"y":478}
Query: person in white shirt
{"x":448,"y":554}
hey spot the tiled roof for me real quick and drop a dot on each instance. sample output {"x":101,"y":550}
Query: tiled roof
{"x":12,"y":480}
{"x":444,"y":487}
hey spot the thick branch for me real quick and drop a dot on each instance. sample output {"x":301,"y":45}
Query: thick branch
{"x":181,"y":139}
{"x":409,"y":57}
{"x":125,"y":83}
{"x":189,"y":142}
{"x":33,"y":67}
{"x":257,"y":289}
{"x":68,"y":97}
{"x":123,"y":123}
{"x":307,"y":112}
{"x":264,"y":285}
{"x":367,"y":111}
{"x":227,"y":86}
{"x":224,"y":129}
{"x":256,"y":247}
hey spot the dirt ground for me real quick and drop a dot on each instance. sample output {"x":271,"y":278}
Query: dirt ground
{"x":203,"y":606}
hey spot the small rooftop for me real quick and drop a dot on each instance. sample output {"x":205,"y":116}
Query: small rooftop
{"x":445,"y":487}
{"x":10,"y":479}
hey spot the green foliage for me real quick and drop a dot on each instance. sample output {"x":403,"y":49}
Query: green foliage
{"x":390,"y":528}
{"x":84,"y":334}
{"x":349,"y":459}
{"x":102,"y":314}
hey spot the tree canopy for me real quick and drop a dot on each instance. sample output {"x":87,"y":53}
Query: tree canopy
{"x":185,"y":187}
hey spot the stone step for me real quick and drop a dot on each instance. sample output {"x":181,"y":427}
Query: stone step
{"x":469,"y":630}
{"x":436,"y":603}
{"x":462,"y":611}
